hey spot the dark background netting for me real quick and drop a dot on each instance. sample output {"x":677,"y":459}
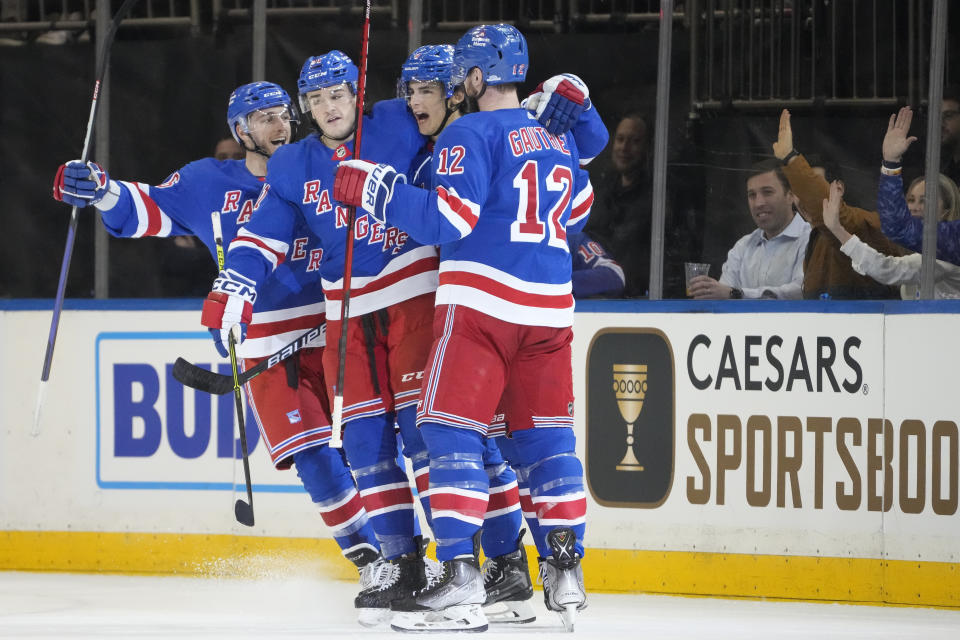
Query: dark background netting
{"x":168,"y":101}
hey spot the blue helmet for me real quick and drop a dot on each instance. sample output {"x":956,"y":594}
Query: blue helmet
{"x":255,"y":96}
{"x":332,"y":68}
{"x":429,"y":63}
{"x":499,"y":50}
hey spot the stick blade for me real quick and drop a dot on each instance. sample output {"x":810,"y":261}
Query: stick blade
{"x":243,"y":512}
{"x":201,"y":379}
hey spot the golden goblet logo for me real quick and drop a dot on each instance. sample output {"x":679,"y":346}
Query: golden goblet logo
{"x":630,"y":387}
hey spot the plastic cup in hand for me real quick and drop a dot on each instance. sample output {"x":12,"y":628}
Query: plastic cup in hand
{"x":694,"y":269}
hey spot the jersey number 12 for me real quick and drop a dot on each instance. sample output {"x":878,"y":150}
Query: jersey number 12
{"x":528,"y":227}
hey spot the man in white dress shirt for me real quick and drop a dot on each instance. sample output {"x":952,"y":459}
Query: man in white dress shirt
{"x":767,"y":263}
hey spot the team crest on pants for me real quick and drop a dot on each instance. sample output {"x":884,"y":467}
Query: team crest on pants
{"x":570,"y":409}
{"x":293,"y":416}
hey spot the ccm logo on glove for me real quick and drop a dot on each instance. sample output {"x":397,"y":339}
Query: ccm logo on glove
{"x":235,"y":288}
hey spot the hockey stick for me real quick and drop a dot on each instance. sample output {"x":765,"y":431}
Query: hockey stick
{"x":242,"y":510}
{"x":217,"y":384}
{"x":101,"y":68}
{"x":337,"y":426}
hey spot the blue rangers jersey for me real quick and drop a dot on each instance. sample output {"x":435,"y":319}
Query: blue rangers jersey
{"x":595,"y":273}
{"x":388,"y":267}
{"x":507,"y":192}
{"x":589,"y":132}
{"x":182,"y":204}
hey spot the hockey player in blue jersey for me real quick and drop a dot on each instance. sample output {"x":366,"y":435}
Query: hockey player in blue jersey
{"x":426,"y":82}
{"x":427,"y":85}
{"x":507,"y":192}
{"x":391,"y":302}
{"x":595,"y":272}
{"x":260,"y":116}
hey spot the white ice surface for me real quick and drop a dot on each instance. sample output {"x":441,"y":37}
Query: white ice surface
{"x":56,"y":605}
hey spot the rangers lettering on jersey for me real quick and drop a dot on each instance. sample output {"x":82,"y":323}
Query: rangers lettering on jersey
{"x":182,"y":207}
{"x":298,"y":252}
{"x":387,"y":267}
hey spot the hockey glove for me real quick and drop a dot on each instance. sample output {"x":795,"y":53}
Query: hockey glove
{"x":361,"y":183}
{"x":559,"y":102}
{"x":80,"y":184}
{"x":229,"y":303}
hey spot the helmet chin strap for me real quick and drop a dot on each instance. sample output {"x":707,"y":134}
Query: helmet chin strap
{"x":256,"y":145}
{"x":256,"y":148}
{"x":446,"y":116}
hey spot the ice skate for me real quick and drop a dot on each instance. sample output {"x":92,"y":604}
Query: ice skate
{"x":562,"y":577}
{"x":368,"y":562}
{"x":452,"y":601}
{"x":506,"y":580}
{"x":389,"y":580}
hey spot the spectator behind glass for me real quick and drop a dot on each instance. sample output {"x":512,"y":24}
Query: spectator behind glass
{"x":595,"y":273}
{"x":623,"y":209}
{"x":826,"y":270}
{"x":768,"y":262}
{"x":227,"y":149}
{"x":950,"y":134}
{"x":949,"y":205}
{"x":622,"y":206}
{"x":902,"y":270}
{"x":896,"y":217}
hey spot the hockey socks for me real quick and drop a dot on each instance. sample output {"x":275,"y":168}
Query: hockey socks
{"x":328,"y":482}
{"x":458,"y":487}
{"x":371,"y":447}
{"x":415,"y":449}
{"x":545,"y":458}
{"x":503,"y":518}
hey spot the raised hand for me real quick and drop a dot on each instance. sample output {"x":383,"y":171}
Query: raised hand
{"x":831,"y":212}
{"x":896,"y":142}
{"x":559,"y":102}
{"x":79,"y":184}
{"x":784,"y":144}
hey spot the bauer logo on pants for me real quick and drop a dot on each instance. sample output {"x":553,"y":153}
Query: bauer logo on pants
{"x":630,"y":416}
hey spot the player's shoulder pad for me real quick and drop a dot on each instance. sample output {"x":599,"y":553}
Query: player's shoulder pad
{"x":469,"y":124}
{"x":192,"y":171}
{"x":288,"y":156}
{"x":393,"y":108}
{"x":392,"y":118}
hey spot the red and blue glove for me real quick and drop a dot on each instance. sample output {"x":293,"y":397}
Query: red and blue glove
{"x":229,"y":303}
{"x":559,"y":102}
{"x":80,"y":184}
{"x":363,"y":184}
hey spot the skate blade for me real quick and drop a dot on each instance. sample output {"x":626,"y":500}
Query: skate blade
{"x":372,"y":617}
{"x":467,"y":618}
{"x":510,"y":612}
{"x":569,"y":617}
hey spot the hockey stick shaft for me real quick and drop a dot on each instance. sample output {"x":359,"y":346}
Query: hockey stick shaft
{"x":336,"y":439}
{"x":243,"y":511}
{"x":217,"y":384}
{"x":101,"y":67}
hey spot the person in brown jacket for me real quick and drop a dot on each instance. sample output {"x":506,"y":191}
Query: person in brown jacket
{"x":826,"y":269}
